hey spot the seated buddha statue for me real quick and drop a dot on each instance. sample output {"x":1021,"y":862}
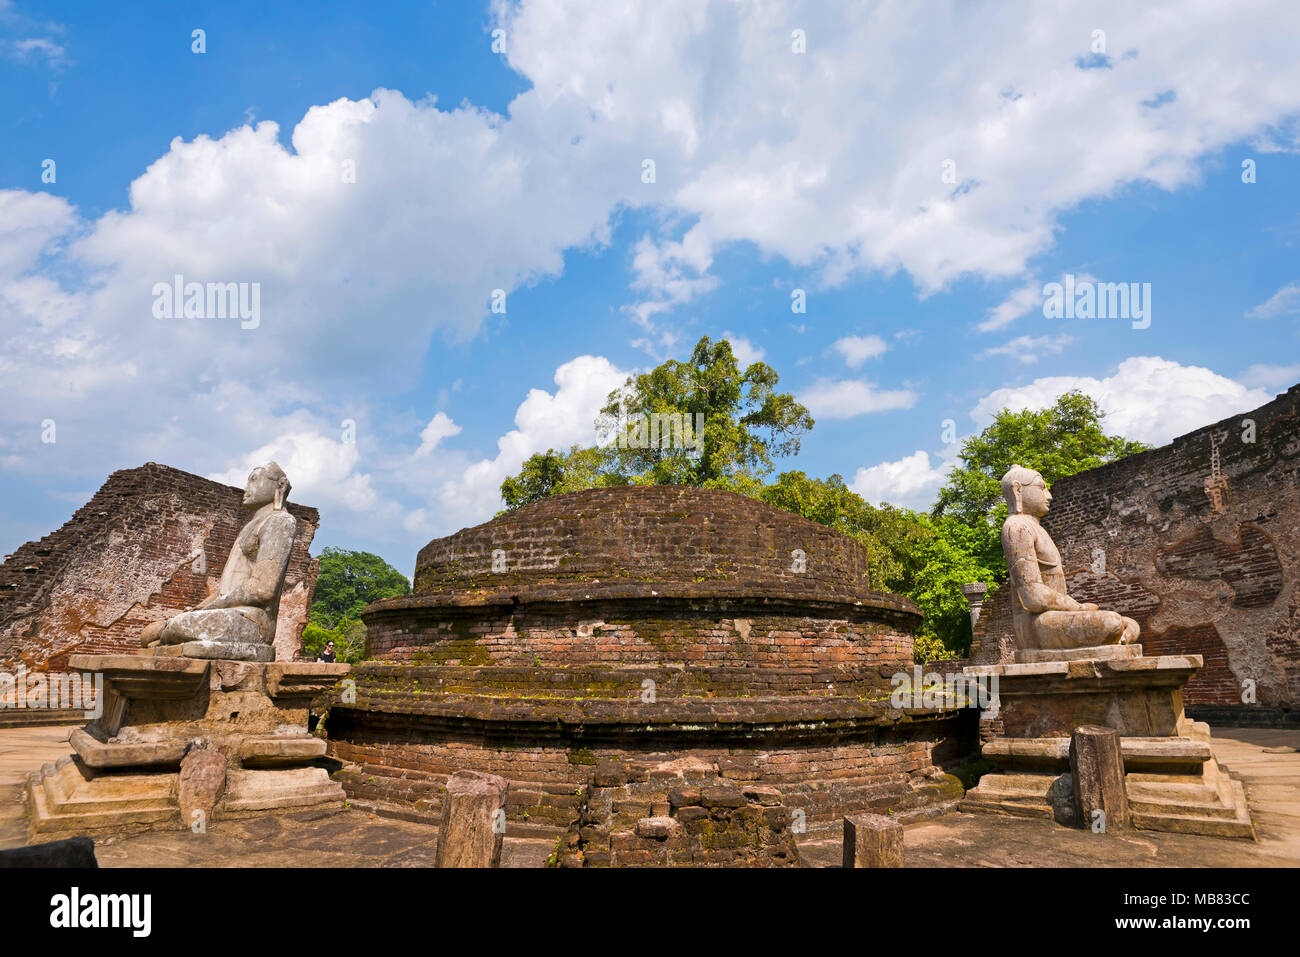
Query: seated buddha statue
{"x":238,"y":620}
{"x":1044,"y":616}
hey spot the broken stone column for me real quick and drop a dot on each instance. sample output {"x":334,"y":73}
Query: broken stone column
{"x":872,"y":840}
{"x":202,"y":783}
{"x":1097,"y":770}
{"x":473,"y":820}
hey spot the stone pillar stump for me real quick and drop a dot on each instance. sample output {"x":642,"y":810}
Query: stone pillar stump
{"x":1097,"y":770}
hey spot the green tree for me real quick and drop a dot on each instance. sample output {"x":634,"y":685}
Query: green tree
{"x":747,"y":423}
{"x":348,"y":581}
{"x":1060,"y":441}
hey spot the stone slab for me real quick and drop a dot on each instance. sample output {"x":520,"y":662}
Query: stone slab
{"x":1036,"y":655}
{"x":208,"y":649}
{"x":101,"y":755}
{"x":136,"y":676}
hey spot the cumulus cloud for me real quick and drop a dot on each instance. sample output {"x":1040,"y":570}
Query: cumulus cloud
{"x":910,"y":482}
{"x":543,"y":421}
{"x":386,"y":223}
{"x":322,"y":470}
{"x":1148,"y":398}
{"x":858,"y":349}
{"x":440,"y":427}
{"x":746,"y":352}
{"x":1267,"y":375}
{"x":714,"y":94}
{"x":846,"y":398}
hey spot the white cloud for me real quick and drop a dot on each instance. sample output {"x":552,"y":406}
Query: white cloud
{"x":858,"y":349}
{"x":543,"y":421}
{"x":846,"y":398}
{"x":1029,"y":349}
{"x":1284,"y":302}
{"x":746,"y":352}
{"x":1265,"y":375}
{"x":33,"y":49}
{"x":753,"y":145}
{"x":910,"y":482}
{"x":663,"y":272}
{"x":1021,"y":302}
{"x":756,"y":144}
{"x":321,"y":470}
{"x":440,"y":427}
{"x":1148,"y":399}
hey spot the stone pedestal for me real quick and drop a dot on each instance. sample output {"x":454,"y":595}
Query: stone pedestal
{"x":1171,"y":779}
{"x":224,"y":738}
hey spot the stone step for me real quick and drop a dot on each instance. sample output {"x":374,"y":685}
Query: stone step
{"x":1193,"y":824}
{"x":1200,"y":809}
{"x":1017,"y":786}
{"x":1192,"y":792}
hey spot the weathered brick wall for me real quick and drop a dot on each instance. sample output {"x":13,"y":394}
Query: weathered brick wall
{"x":1146,"y":537}
{"x":647,"y":535}
{"x":646,"y":631}
{"x":642,"y":624}
{"x":126,"y":558}
{"x":842,"y":759}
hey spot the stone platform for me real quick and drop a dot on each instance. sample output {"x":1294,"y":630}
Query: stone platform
{"x":1171,"y":777}
{"x":178,"y":736}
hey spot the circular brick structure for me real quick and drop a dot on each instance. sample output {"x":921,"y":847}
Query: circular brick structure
{"x":642,"y":624}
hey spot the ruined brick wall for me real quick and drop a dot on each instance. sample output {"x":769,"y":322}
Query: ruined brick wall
{"x":829,"y":761}
{"x":130,"y":556}
{"x":1203,"y":556}
{"x":679,"y":814}
{"x":804,"y":641}
{"x":649,"y":534}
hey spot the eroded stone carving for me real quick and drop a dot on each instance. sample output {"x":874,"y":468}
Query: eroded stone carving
{"x":1044,"y":616}
{"x":238,"y":622}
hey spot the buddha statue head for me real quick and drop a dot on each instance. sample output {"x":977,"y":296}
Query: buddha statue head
{"x":266,"y":483}
{"x":1026,"y":492}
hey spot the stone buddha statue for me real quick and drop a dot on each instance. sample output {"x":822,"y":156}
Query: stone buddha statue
{"x":238,"y":621}
{"x":1044,"y":616}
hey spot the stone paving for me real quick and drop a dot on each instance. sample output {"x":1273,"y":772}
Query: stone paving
{"x":353,"y":838}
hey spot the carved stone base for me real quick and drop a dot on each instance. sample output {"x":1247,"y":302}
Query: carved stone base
{"x":1172,"y":780}
{"x":213,"y":650}
{"x":244,"y":722}
{"x":1032,"y":655}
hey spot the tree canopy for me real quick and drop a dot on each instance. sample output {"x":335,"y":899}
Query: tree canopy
{"x":1056,"y":442}
{"x":348,"y":581}
{"x":746,"y":424}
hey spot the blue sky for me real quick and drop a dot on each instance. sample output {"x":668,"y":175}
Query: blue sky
{"x":919,"y":176}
